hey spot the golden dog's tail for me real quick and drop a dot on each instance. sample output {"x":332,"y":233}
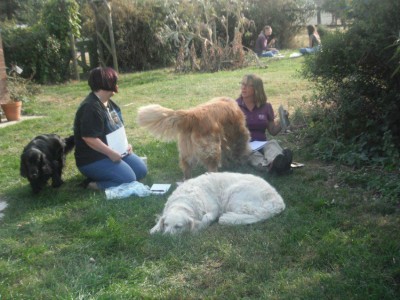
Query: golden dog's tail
{"x":160,"y":121}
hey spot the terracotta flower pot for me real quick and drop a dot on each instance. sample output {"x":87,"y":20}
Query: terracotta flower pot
{"x":12,"y":110}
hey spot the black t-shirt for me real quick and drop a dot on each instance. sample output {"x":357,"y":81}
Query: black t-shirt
{"x":95,"y":120}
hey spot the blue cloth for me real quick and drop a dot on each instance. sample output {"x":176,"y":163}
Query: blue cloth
{"x":107,"y":173}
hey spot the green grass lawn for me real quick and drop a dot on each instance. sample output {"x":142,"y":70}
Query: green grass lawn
{"x":339,"y":237}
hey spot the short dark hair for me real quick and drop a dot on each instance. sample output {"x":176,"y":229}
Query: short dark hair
{"x":103,"y":79}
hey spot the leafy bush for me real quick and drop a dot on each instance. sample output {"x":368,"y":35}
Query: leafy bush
{"x":39,"y":54}
{"x":152,"y":33}
{"x":43,"y":49}
{"x":357,"y":87}
{"x":136,"y":27}
{"x":21,"y":89}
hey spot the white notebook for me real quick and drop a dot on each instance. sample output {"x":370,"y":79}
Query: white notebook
{"x":117,"y":141}
{"x":257,"y":145}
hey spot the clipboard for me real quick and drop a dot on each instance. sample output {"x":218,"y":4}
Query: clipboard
{"x":257,"y":145}
{"x":117,"y":141}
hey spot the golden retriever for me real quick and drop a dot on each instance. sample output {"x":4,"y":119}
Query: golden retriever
{"x":230,"y":198}
{"x":212,"y":133}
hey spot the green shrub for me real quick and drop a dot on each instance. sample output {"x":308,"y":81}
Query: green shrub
{"x":136,"y":27}
{"x":42,"y":50}
{"x":39,"y":54}
{"x":357,"y":88}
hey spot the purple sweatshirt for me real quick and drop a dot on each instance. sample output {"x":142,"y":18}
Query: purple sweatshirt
{"x":257,"y":119}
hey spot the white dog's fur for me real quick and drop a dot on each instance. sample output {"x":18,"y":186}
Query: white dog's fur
{"x":230,"y":198}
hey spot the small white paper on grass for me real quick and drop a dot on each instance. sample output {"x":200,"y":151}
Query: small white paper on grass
{"x":295,"y":54}
{"x":160,"y":188}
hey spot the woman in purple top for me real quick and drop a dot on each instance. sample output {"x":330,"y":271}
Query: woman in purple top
{"x":260,"y":119}
{"x":264,"y":43}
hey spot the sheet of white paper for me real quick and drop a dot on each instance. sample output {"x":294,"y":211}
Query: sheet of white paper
{"x":160,"y":188}
{"x":117,"y":140}
{"x":257,"y":145}
{"x":296,"y":165}
{"x":295,"y":54}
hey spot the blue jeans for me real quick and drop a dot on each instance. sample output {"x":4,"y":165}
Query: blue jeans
{"x":107,"y":173}
{"x":309,"y":50}
{"x":269,"y":53}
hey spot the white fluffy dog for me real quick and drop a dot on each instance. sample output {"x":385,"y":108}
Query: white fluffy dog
{"x":230,"y":198}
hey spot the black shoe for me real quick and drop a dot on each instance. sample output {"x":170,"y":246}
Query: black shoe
{"x":84,"y":184}
{"x":279,"y":164}
{"x":289,"y":155}
{"x":282,"y":163}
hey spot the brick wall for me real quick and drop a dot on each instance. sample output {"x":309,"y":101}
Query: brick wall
{"x":4,"y":97}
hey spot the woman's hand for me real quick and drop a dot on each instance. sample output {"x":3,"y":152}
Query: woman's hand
{"x":98,"y":145}
{"x":130,"y":149}
{"x":115,"y":156}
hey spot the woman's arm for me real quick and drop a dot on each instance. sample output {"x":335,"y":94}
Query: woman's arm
{"x":310,"y":41}
{"x":274,"y":128}
{"x":99,"y":146}
{"x":271,"y":45}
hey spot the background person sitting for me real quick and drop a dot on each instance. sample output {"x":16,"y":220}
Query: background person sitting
{"x":265,"y":43}
{"x":313,"y":39}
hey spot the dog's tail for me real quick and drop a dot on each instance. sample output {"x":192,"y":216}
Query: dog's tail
{"x":69,"y":144}
{"x":160,"y":121}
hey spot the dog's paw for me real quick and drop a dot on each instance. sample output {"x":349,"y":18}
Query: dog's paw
{"x":154,"y":230}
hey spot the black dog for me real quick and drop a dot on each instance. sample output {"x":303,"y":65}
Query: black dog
{"x":44,"y":158}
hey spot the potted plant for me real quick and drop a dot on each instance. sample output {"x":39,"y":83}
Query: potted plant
{"x":18,"y":92}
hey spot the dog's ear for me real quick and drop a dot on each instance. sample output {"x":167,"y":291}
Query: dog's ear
{"x":162,"y":226}
{"x":46,"y":167}
{"x":194,"y":224}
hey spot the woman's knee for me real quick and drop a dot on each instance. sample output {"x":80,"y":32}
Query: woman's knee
{"x":137,"y":166}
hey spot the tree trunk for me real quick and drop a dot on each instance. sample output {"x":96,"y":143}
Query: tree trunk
{"x":74,"y":58}
{"x":319,"y":16}
{"x":102,"y":10}
{"x":111,"y":33}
